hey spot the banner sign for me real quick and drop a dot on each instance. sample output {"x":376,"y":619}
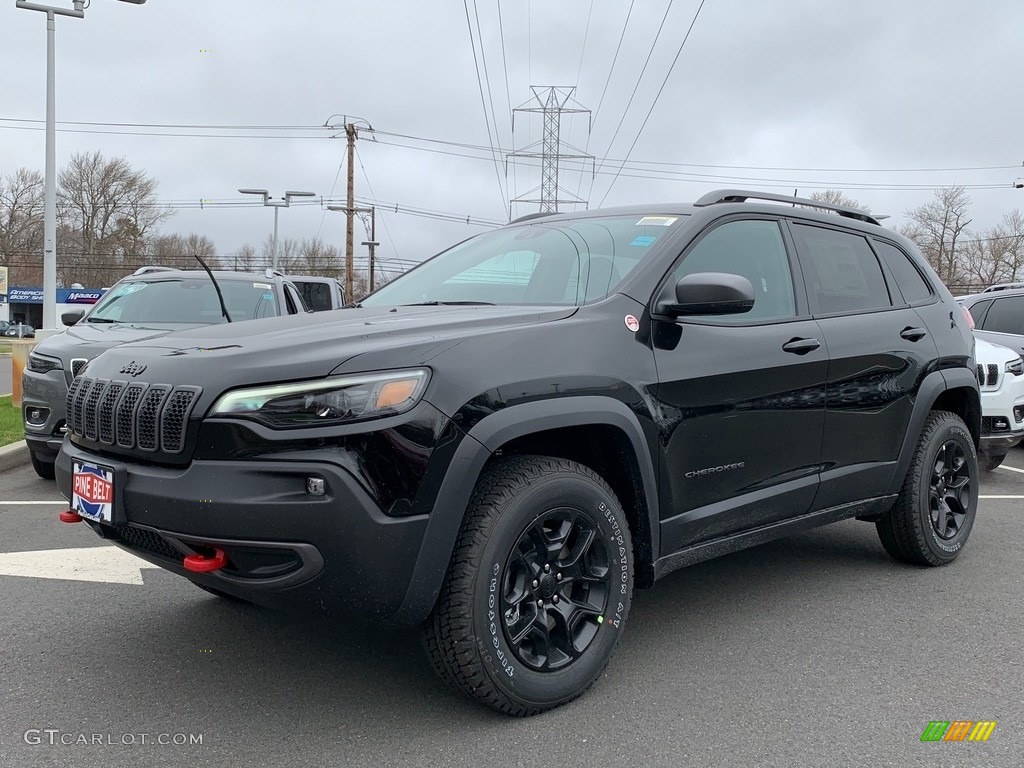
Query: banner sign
{"x":22,"y":295}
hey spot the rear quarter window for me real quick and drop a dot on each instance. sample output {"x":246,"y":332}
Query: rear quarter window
{"x":910,"y":282}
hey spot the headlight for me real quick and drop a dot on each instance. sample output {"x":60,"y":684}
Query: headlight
{"x":1016,"y":367}
{"x":41,"y":364}
{"x":335,"y":400}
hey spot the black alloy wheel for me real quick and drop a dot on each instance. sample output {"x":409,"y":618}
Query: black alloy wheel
{"x":951,"y":490}
{"x":556,"y":588}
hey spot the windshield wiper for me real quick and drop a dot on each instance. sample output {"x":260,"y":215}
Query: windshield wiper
{"x":450,"y":304}
{"x":101,"y":320}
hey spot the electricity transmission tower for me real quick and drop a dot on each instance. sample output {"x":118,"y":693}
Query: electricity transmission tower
{"x":552,"y":102}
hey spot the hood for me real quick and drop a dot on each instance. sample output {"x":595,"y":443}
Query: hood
{"x":90,"y":339}
{"x":312,"y":345}
{"x":986,"y":352}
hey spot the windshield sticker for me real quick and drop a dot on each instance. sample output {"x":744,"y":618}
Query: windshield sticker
{"x":642,"y":241}
{"x":657,"y":221}
{"x":261,"y":285}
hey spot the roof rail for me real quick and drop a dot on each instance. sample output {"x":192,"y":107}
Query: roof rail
{"x":529,"y":216}
{"x":742,"y":195}
{"x":1002,"y":287}
{"x":152,"y":268}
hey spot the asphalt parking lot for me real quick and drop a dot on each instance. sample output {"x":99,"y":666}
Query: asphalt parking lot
{"x":812,"y":651}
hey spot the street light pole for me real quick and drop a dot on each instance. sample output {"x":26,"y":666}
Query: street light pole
{"x":50,"y":183}
{"x":284,"y":202}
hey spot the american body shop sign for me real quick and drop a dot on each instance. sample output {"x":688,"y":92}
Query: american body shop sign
{"x":22,"y":295}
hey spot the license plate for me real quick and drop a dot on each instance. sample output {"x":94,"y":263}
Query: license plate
{"x":92,"y":493}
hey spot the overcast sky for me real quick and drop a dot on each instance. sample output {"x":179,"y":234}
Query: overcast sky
{"x":891,"y":98}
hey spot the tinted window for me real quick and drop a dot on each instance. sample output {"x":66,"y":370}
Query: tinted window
{"x":755,"y":250}
{"x":911,"y":283}
{"x":316,"y":296}
{"x":978,"y":311}
{"x":840,"y":270}
{"x":1006,"y":316}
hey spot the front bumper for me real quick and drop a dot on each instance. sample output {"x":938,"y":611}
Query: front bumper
{"x":998,"y":443}
{"x":285,"y":547}
{"x":46,"y":392}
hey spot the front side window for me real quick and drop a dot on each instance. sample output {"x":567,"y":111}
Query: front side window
{"x":170,"y":301}
{"x":840,"y":270}
{"x":565,"y":263}
{"x":755,"y":250}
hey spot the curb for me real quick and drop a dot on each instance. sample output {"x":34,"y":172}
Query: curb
{"x":14,"y":455}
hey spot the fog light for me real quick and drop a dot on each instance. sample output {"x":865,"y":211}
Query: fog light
{"x":36,"y":415}
{"x":1018,"y":413}
{"x":1001,"y":424}
{"x":315,"y":486}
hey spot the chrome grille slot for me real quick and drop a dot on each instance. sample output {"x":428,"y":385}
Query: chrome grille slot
{"x":174,"y":417}
{"x":124,"y":421}
{"x":147,"y":419}
{"x":105,"y":415}
{"x":69,"y":407}
{"x":92,"y":401}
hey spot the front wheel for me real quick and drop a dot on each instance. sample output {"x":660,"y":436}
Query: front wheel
{"x":538,"y":588}
{"x":934,"y":512}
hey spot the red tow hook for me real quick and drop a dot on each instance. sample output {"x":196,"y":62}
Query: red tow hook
{"x":70,"y":516}
{"x":204,"y":564}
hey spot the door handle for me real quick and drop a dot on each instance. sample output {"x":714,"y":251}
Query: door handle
{"x":801,"y":346}
{"x":913,"y":334}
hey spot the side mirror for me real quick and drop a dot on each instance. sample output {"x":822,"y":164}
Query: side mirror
{"x":711,"y":293}
{"x":70,"y":318}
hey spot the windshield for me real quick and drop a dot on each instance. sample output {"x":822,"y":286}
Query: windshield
{"x":564,"y":262}
{"x":168,"y":301}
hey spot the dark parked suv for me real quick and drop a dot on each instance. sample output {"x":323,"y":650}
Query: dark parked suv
{"x":149,"y":303}
{"x":502,"y":443}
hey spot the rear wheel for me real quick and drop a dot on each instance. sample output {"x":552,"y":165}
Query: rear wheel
{"x":933,"y":515}
{"x":43,"y":468}
{"x":538,"y":588}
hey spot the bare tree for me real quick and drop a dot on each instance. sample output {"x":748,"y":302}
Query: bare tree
{"x":244,"y":259}
{"x":997,"y":254}
{"x":937,"y":228}
{"x":106,"y":211}
{"x":21,"y":226}
{"x":316,"y":257}
{"x":837,"y":197}
{"x":287,"y":253}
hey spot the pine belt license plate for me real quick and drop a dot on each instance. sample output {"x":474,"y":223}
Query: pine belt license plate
{"x":92,"y":492}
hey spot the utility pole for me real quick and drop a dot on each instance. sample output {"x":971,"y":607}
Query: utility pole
{"x":551,"y":102}
{"x":372,"y":244}
{"x":350,"y":211}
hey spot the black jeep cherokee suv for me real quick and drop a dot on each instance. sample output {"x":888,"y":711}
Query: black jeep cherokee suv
{"x":505,"y":441}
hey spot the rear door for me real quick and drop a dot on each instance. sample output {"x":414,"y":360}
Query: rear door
{"x":741,"y":396}
{"x":879,"y":350}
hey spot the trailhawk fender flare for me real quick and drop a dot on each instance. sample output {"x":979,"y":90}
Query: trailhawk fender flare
{"x":480,"y":443}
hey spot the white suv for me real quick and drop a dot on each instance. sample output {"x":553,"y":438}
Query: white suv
{"x":1001,"y":378}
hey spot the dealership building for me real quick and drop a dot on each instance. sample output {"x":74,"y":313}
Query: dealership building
{"x":23,"y":304}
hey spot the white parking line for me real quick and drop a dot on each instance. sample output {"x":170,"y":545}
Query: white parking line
{"x":1001,"y":497}
{"x":1011,"y":469}
{"x":29,"y":503}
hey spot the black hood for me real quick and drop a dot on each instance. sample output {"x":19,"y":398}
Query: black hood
{"x":311,"y":345}
{"x":87,"y":340}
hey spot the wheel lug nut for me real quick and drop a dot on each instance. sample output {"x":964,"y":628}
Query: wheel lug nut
{"x":547,"y":568}
{"x":554,"y":598}
{"x":536,"y":583}
{"x":540,"y":603}
{"x":558,"y":576}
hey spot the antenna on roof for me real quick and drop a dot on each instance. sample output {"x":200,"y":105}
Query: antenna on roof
{"x":220,"y":296}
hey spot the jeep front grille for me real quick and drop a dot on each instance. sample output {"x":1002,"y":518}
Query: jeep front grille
{"x":988,"y":375}
{"x":150,"y":417}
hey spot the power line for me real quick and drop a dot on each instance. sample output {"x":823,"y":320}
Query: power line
{"x":483,"y":102}
{"x":656,"y":97}
{"x":508,"y":92}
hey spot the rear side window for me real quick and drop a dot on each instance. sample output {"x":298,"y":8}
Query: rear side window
{"x":1006,"y":316}
{"x":316,"y":296}
{"x":841,"y":271}
{"x":910,"y":282}
{"x":978,"y":311}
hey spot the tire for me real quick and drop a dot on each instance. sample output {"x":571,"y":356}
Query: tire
{"x":990,"y":462}
{"x":43,"y":468}
{"x":933,"y":515}
{"x":488,"y":636}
